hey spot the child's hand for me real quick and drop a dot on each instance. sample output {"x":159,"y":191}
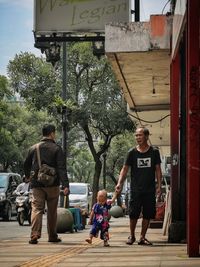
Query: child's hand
{"x":89,"y":222}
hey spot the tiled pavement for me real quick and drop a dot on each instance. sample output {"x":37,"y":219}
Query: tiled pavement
{"x":74,"y":251}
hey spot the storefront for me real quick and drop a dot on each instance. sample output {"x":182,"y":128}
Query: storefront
{"x":185,"y":120}
{"x":157,"y":66}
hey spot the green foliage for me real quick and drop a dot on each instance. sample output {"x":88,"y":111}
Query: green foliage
{"x":95,"y":93}
{"x":118,"y":151}
{"x":4,"y":90}
{"x":81,"y":164}
{"x":95,"y":107}
{"x":19,"y":130}
{"x":100,"y":110}
{"x":35,"y":80}
{"x":115,"y":157}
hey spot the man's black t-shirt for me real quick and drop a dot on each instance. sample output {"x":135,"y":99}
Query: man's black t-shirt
{"x":143,"y":169}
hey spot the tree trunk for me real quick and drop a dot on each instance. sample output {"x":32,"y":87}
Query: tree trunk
{"x":98,"y":167}
{"x":5,"y":166}
{"x":119,"y":202}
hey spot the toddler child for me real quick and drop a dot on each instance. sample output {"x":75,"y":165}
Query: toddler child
{"x":99,"y":217}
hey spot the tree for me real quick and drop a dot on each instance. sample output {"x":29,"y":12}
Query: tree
{"x":20,"y":128}
{"x":117,"y":153}
{"x":4,"y":90}
{"x":99,"y":106}
{"x":95,"y":105}
{"x":5,"y":139}
{"x":35,"y":81}
{"x":81,"y":164}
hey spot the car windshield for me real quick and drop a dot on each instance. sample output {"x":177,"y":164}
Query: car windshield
{"x":3,"y":181}
{"x":77,"y":189}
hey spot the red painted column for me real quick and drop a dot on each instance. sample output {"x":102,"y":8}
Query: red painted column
{"x":174,"y":108}
{"x":193,"y":128}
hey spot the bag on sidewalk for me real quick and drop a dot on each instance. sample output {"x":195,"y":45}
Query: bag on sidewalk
{"x":160,"y":208}
{"x":160,"y":211}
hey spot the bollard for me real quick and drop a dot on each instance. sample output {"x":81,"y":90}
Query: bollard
{"x":65,"y":220}
{"x":116,"y":211}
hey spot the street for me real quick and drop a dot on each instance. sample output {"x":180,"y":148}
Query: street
{"x":12,"y":229}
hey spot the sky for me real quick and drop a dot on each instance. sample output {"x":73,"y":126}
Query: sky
{"x":16,"y":26}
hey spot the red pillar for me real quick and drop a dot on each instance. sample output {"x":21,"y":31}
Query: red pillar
{"x":193,"y":128}
{"x":174,"y":108}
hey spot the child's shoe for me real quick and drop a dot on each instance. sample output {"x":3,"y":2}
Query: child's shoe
{"x":88,"y":240}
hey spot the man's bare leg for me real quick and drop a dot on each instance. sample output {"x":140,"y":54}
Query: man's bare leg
{"x":143,"y":240}
{"x":131,"y":238}
{"x":145,"y":225}
{"x":133,"y":223}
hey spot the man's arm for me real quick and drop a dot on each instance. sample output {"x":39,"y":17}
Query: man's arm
{"x":18,"y":189}
{"x":122,"y":177}
{"x":62,"y":172}
{"x":158,"y":178}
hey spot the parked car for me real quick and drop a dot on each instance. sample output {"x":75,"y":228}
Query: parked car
{"x":8,"y":184}
{"x":80,"y":196}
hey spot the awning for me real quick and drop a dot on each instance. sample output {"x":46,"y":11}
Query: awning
{"x":140,"y":56}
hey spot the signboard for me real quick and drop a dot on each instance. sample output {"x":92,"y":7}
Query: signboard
{"x":59,"y":16}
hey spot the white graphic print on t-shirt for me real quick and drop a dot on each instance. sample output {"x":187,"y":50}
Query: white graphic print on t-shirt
{"x":144,"y":162}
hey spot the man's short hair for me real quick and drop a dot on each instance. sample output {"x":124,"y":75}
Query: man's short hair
{"x":48,"y":129}
{"x":145,"y":130}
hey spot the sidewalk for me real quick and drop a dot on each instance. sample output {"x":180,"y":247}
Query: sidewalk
{"x":74,"y":251}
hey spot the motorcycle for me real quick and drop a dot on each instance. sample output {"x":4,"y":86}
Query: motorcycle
{"x":23,"y":207}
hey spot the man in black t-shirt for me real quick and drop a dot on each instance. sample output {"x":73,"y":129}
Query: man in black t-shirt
{"x":144,"y":161}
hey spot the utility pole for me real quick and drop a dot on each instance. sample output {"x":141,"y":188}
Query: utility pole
{"x":64,"y":97}
{"x":64,"y":113}
{"x":137,"y":10}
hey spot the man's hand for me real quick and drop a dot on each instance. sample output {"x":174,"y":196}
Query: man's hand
{"x":118,"y":188}
{"x":122,"y":177}
{"x":66,"y":191}
{"x":158,"y":191}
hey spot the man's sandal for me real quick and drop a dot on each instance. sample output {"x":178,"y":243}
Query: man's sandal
{"x":130,"y":240}
{"x":144,"y":242}
{"x":106,"y":244}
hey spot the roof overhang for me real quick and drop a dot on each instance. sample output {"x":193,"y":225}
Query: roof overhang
{"x":140,"y":56}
